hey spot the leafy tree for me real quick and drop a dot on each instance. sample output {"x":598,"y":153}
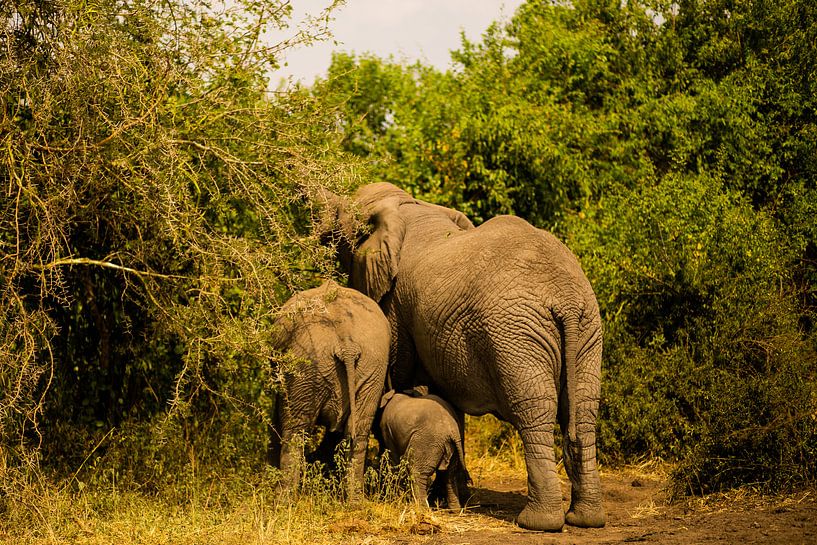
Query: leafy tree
{"x":152,"y":217}
{"x":671,"y":145}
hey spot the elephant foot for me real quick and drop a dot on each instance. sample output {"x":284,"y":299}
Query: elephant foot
{"x":586,"y":517}
{"x":541,"y":520}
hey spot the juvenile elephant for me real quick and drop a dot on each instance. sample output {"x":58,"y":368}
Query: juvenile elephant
{"x":502,"y":320}
{"x":343,"y":337}
{"x":425,"y":430}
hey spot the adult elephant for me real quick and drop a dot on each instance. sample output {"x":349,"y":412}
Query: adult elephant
{"x":502,"y":320}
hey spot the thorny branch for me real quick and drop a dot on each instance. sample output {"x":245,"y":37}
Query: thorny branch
{"x":160,"y":147}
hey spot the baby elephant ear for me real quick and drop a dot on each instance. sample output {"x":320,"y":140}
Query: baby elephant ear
{"x":376,"y":260}
{"x":386,"y":398}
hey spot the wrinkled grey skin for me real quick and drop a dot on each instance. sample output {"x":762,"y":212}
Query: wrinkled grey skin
{"x":426,"y":430}
{"x":345,"y":338}
{"x":502,"y":320}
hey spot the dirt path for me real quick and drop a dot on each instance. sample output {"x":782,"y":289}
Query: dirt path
{"x":637,"y":512}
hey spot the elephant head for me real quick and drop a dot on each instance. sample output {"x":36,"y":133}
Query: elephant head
{"x":369,"y":231}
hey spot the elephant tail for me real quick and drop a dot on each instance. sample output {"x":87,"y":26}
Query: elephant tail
{"x":460,"y":463}
{"x":570,"y":325}
{"x":348,"y":354}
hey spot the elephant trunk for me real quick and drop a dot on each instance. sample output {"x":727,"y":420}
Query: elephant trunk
{"x":336,"y":214}
{"x":350,"y":381}
{"x":337,"y":223}
{"x":460,"y":460}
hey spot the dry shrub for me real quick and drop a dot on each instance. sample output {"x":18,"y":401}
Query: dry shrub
{"x":153,"y":214}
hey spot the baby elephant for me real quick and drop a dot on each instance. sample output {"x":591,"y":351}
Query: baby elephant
{"x":427,"y":430}
{"x":342,"y":339}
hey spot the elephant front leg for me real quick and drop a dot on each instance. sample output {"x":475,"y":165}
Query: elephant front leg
{"x":404,"y":363}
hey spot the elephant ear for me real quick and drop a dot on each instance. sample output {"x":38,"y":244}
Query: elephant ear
{"x":456,"y":216}
{"x":375,"y":261}
{"x":384,"y":400}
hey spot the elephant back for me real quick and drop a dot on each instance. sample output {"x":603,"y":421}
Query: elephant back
{"x":368,"y":196}
{"x":335,"y":311}
{"x":507,"y":259}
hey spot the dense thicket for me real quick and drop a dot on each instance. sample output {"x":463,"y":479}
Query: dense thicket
{"x":152,"y":217}
{"x":673,"y":147}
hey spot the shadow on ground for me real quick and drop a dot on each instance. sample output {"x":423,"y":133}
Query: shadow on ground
{"x":502,"y":505}
{"x":637,"y":512}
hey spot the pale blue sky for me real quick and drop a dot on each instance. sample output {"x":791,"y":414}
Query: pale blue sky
{"x":409,"y":30}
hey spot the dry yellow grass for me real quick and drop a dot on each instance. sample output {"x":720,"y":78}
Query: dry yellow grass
{"x":492,"y":448}
{"x":44,"y":513}
{"x":50,"y":515}
{"x":132,"y":519}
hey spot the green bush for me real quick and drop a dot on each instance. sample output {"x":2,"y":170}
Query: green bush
{"x":705,"y":360}
{"x":152,"y":218}
{"x":672,"y":148}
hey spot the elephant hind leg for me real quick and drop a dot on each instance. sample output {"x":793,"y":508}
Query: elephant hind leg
{"x":421,"y":482}
{"x":292,"y":459}
{"x":530,"y":406}
{"x":586,"y":509}
{"x":452,"y":495}
{"x":534,"y":417}
{"x":544,"y":511}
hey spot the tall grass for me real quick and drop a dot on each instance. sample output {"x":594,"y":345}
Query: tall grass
{"x":492,"y":447}
{"x":241,"y":509}
{"x":241,"y":505}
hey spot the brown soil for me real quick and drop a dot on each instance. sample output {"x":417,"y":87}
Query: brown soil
{"x":637,"y":512}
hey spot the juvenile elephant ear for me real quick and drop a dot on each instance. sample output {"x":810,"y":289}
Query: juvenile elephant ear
{"x":384,"y":400}
{"x":375,"y":261}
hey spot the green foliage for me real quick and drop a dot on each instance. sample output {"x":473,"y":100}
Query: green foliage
{"x":672,"y":146}
{"x":152,"y":218}
{"x":694,"y":275}
{"x":447,"y":140}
